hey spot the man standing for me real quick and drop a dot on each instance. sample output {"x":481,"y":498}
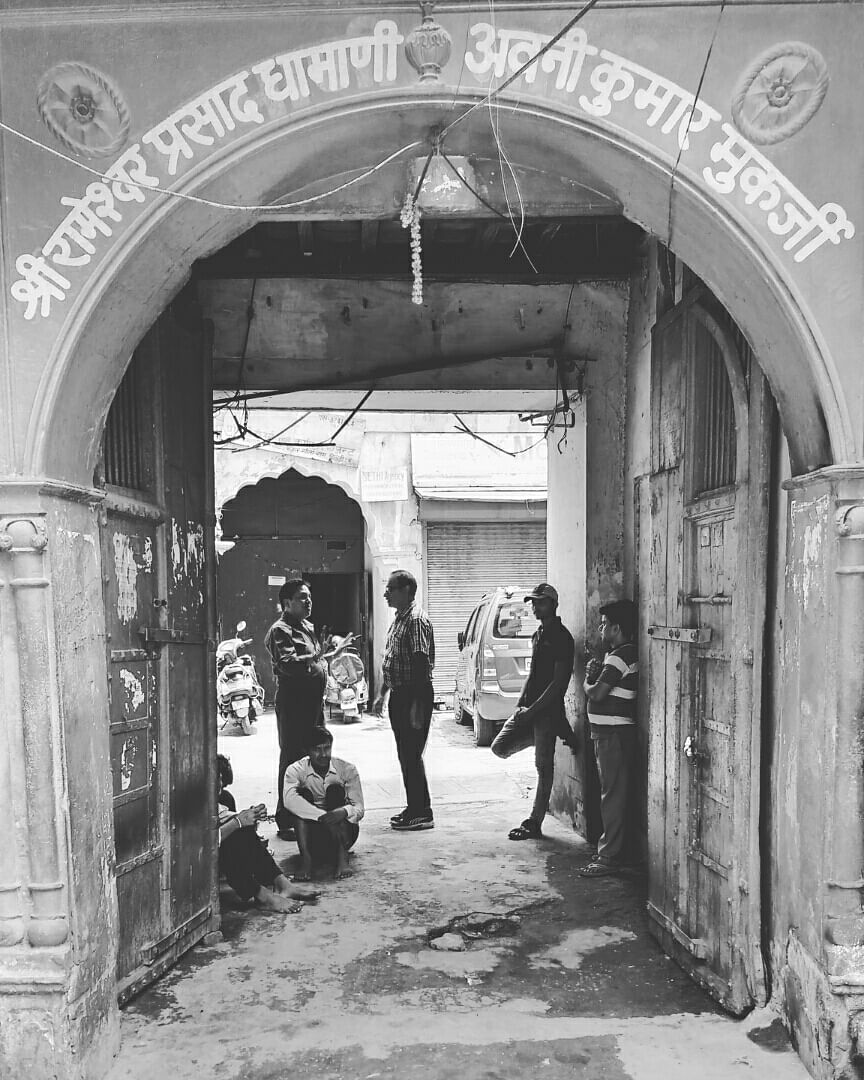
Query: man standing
{"x":301,"y":674}
{"x":324,"y":797}
{"x":409,"y":657}
{"x":610,"y":690}
{"x":540,"y":717}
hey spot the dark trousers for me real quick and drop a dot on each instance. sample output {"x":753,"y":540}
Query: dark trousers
{"x":616,"y":753}
{"x":411,"y":742}
{"x":542,"y":732}
{"x":247,"y":863}
{"x":297,"y":713}
{"x":318,"y":839}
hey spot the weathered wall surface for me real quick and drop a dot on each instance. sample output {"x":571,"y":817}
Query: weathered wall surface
{"x":816,"y":805}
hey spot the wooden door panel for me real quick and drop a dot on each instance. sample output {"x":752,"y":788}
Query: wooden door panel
{"x":130,"y":551}
{"x":701,"y":739}
{"x":157,"y":556}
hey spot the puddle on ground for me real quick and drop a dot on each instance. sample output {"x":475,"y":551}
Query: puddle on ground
{"x":572,"y":949}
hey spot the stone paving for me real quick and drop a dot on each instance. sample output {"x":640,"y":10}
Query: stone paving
{"x":351,"y":989}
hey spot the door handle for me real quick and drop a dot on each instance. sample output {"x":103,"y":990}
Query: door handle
{"x":694,"y":755}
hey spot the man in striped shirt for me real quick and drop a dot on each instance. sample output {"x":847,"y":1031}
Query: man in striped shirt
{"x":610,"y":690}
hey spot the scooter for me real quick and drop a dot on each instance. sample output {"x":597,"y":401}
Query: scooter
{"x":239,"y":695}
{"x":347,"y":689}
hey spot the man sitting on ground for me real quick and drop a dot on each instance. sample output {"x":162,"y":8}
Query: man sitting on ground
{"x":244,"y":857}
{"x":324,"y":797}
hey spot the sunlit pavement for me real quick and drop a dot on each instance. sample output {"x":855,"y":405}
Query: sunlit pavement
{"x":351,"y":989}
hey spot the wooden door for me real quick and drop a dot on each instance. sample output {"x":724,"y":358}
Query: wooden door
{"x":158,"y":564}
{"x":706,"y":625}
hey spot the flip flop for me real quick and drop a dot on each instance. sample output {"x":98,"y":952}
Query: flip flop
{"x":528,"y":830}
{"x":597,"y":869}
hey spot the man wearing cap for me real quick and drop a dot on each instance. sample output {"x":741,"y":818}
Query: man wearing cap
{"x":540,"y":718}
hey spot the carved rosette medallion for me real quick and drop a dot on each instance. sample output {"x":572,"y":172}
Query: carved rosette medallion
{"x":83,"y":109}
{"x":779,"y":92}
{"x":428,"y":46}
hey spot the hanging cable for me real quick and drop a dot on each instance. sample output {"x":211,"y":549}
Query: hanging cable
{"x":215,"y":204}
{"x":521,"y":71}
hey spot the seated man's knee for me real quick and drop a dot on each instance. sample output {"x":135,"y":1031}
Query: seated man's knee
{"x":334,"y":797}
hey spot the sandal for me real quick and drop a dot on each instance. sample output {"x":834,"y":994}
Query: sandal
{"x":597,"y":869}
{"x":528,"y":830}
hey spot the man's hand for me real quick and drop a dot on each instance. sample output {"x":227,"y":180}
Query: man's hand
{"x":260,"y":812}
{"x":378,"y":706}
{"x":247,"y":818}
{"x":593,"y":669}
{"x":522,"y":713}
{"x":333,"y":817}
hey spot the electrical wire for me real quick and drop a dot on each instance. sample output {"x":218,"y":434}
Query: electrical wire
{"x":495,"y":446}
{"x":264,"y":440}
{"x":696,"y":97}
{"x":215,"y":204}
{"x":521,"y":71}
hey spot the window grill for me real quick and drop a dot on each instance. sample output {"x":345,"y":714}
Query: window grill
{"x":714,"y":415}
{"x":122,"y":444}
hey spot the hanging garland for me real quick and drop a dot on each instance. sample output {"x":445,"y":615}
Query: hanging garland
{"x":410,"y":219}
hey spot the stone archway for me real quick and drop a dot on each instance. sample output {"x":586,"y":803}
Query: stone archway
{"x":152,"y":260}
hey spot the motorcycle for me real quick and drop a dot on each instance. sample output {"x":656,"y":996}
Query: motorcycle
{"x":346,"y":689}
{"x":239,"y":695}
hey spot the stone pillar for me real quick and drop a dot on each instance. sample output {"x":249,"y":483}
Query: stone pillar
{"x":58,"y":1014}
{"x":25,"y":538}
{"x":566,"y":565}
{"x":817,"y":782}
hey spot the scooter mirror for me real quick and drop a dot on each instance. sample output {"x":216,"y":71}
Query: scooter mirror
{"x":241,"y":626}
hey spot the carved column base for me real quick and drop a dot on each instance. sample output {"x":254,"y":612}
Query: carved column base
{"x":11,"y":919}
{"x":48,"y":924}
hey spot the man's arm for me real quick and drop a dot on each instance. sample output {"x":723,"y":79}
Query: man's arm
{"x":354,"y":794}
{"x":610,"y":675}
{"x":561,"y":673}
{"x":294,"y":802}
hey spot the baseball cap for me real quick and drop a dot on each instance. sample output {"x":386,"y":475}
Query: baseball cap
{"x":544,"y":589}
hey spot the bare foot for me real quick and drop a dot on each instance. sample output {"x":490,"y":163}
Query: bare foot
{"x":302,"y":875}
{"x":343,"y":872}
{"x":272,"y":901}
{"x":283,"y":887}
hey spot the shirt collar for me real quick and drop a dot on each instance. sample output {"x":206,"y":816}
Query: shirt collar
{"x":407,"y":611}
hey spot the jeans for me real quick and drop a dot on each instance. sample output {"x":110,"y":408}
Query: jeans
{"x":615,"y":751}
{"x":518,"y":734}
{"x":411,"y":742}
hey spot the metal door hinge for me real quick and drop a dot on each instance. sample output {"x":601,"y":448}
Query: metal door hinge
{"x":683,"y":634}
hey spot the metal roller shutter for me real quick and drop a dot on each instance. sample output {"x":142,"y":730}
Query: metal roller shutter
{"x":465,"y":560}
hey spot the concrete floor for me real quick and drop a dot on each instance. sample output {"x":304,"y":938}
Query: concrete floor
{"x":351,"y":990}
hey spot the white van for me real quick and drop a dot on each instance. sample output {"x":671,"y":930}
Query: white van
{"x":494,"y":661}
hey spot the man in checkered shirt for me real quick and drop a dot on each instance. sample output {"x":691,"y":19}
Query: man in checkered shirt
{"x":409,"y":658}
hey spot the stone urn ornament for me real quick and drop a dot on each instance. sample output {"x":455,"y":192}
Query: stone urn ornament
{"x":428,"y":46}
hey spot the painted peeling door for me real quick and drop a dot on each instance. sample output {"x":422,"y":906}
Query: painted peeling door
{"x":157,"y":560}
{"x":706,"y":623}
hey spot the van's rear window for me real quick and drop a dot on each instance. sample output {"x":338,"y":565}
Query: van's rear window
{"x":514,"y":619}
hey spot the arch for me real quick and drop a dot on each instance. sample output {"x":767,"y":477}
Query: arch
{"x":263,"y":464}
{"x":154,"y":257}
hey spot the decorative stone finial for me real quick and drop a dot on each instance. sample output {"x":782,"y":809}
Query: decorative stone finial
{"x":428,"y":46}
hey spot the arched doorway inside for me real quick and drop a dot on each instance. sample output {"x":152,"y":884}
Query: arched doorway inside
{"x":293,"y":526}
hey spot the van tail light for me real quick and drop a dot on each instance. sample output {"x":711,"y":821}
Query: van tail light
{"x":489,"y":678}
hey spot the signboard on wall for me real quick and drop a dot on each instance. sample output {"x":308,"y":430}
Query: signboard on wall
{"x":384,"y":485}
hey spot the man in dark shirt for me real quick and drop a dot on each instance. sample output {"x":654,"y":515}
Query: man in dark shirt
{"x":540,"y":717}
{"x":301,"y":673}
